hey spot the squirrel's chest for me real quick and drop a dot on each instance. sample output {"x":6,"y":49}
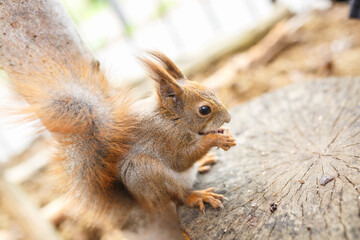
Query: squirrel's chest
{"x":166,"y":141}
{"x":190,"y":175}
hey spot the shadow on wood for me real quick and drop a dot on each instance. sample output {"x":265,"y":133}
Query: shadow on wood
{"x":295,"y":172}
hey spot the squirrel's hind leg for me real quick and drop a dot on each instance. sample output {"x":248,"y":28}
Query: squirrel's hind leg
{"x":204,"y":164}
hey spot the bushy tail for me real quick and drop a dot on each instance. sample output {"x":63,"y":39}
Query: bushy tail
{"x":90,"y":121}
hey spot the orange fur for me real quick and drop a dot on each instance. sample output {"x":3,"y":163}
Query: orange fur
{"x":92,"y":126}
{"x":95,"y":127}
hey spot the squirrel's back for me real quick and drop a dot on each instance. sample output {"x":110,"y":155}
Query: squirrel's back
{"x":91,"y":122}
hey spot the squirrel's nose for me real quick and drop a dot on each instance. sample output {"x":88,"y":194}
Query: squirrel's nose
{"x":227,"y":117}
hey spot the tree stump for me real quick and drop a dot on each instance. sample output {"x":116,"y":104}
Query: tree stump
{"x":295,"y":172}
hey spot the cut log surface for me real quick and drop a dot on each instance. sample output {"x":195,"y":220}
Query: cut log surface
{"x":295,"y":172}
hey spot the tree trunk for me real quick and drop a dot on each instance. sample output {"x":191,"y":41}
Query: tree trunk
{"x":295,"y":172}
{"x":33,"y":29}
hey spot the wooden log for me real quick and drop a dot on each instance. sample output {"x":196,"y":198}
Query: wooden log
{"x":32,"y":29}
{"x":295,"y":172}
{"x":192,"y":64}
{"x":26,"y":214}
{"x":28,"y":168}
{"x":54,"y":211}
{"x":284,"y":34}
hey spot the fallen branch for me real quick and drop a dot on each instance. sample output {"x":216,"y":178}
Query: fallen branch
{"x":26,"y":214}
{"x":281,"y":36}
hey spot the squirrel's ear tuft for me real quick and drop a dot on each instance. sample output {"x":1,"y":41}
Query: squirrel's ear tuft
{"x":167,"y":64}
{"x":167,"y":85}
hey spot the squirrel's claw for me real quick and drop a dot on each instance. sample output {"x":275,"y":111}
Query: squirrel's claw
{"x":203,"y":169}
{"x":198,"y":197}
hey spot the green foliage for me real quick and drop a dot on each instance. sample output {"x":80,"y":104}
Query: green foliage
{"x":129,"y":30}
{"x":81,"y":10}
{"x":163,"y":7}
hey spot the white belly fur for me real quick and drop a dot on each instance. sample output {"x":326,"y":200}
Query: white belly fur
{"x":190,"y":175}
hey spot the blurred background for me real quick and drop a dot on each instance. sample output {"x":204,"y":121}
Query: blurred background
{"x":240,"y":48}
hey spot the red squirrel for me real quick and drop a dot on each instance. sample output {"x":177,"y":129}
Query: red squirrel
{"x":114,"y":153}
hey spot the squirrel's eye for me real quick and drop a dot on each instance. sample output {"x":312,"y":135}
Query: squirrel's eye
{"x":204,"y":110}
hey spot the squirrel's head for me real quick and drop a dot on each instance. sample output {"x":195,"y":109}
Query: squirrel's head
{"x":181,"y":100}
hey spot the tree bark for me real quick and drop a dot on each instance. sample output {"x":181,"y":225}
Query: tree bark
{"x":31,"y":30}
{"x":295,"y":172}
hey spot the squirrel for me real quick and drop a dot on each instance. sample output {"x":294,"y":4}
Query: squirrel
{"x":116,"y":153}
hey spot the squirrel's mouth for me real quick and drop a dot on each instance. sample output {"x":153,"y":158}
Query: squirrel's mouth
{"x":212,"y":131}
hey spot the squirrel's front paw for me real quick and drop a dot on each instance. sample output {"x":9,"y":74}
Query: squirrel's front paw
{"x":198,"y":197}
{"x":205,"y":162}
{"x":222,"y":138}
{"x":225,"y":140}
